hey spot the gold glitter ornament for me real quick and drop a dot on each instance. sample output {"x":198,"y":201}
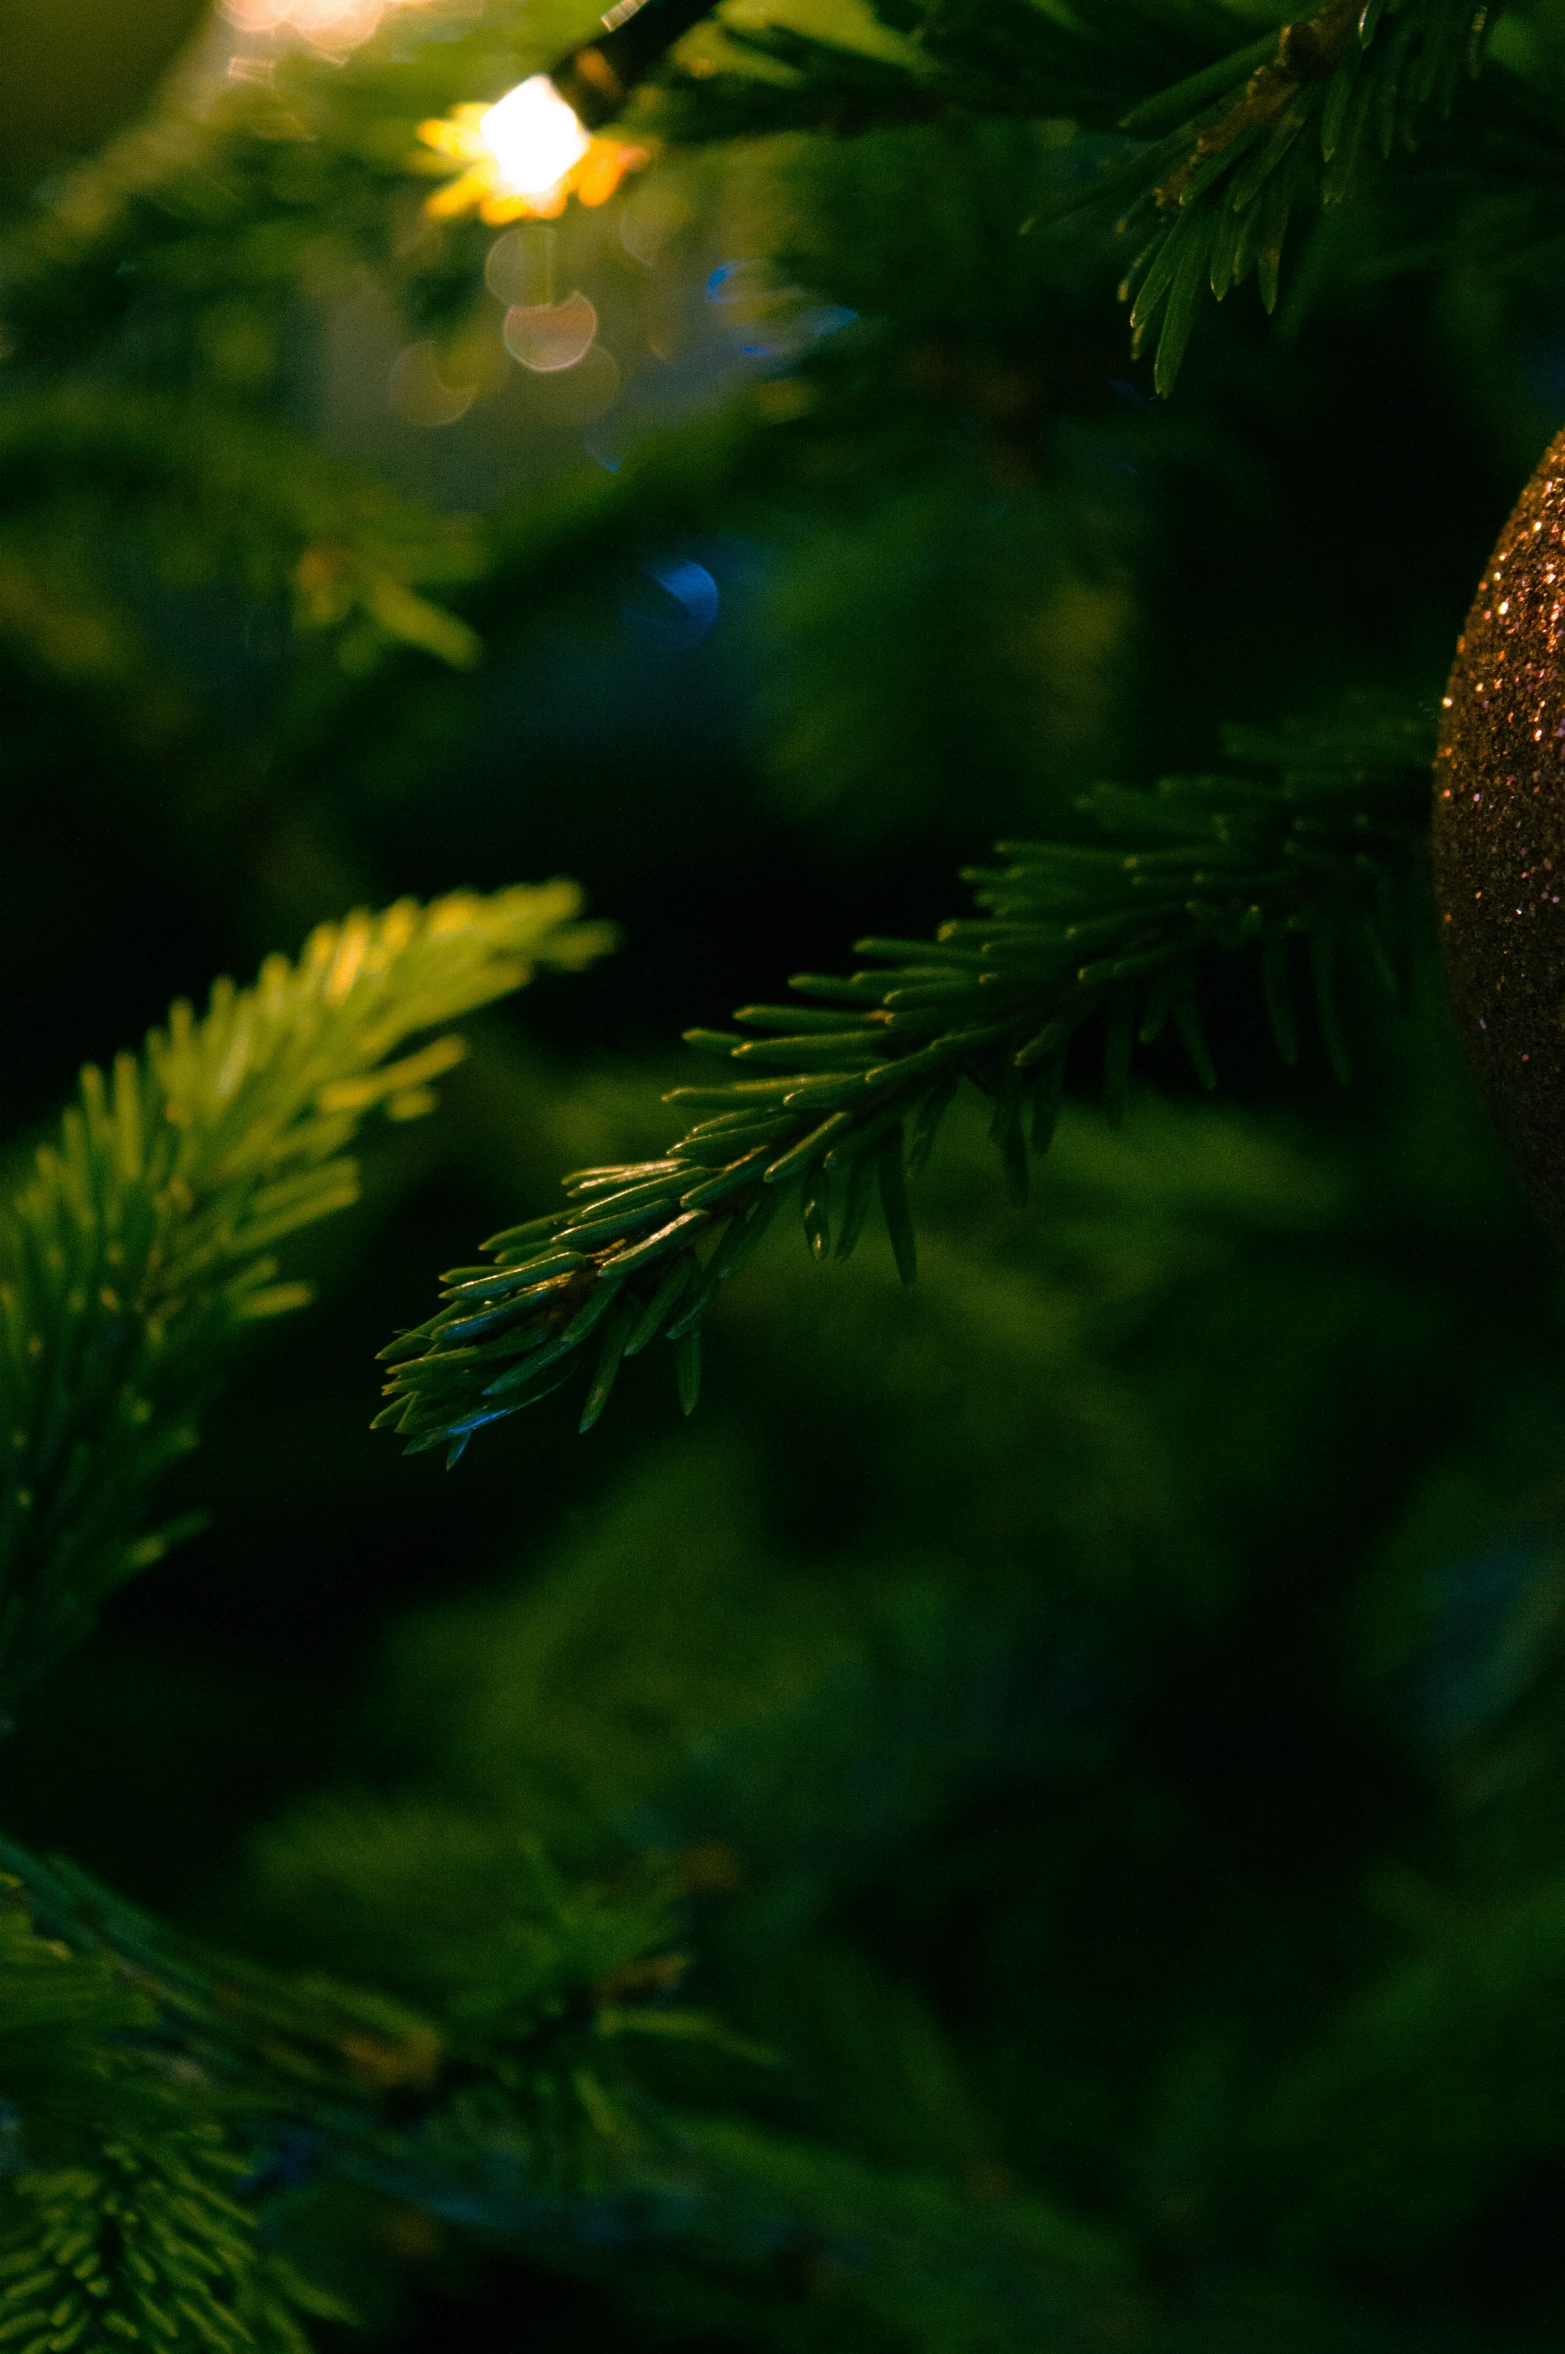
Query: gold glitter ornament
{"x":1499,"y":836}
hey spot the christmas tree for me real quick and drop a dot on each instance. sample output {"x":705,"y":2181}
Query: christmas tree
{"x":1013,"y":1810}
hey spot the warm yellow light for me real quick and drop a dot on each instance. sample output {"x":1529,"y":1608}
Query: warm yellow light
{"x":525,"y":157}
{"x":534,"y":136}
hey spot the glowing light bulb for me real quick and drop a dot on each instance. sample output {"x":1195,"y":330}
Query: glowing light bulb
{"x":534,"y":137}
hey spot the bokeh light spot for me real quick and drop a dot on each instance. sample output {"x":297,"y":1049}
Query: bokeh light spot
{"x":549,"y":336}
{"x":677,"y":608}
{"x":419,"y":392}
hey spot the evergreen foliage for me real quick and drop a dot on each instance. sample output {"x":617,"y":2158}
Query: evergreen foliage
{"x":1034,"y":1823}
{"x":148,"y":2250}
{"x":144,"y":1244}
{"x":120,"y":2224}
{"x":1231,"y":143}
{"x":1313,"y":853}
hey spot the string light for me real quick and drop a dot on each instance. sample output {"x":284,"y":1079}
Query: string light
{"x":524,"y":157}
{"x":534,"y":137}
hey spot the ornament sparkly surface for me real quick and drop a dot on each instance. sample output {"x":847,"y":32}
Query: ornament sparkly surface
{"x":1499,"y":836}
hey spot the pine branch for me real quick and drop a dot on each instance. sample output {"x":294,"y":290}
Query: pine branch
{"x":1089,"y":62}
{"x":148,"y":2079}
{"x":771,"y":78}
{"x":1302,"y":850}
{"x":1240,"y":150}
{"x":1232,"y":145}
{"x":118,"y":2222}
{"x":147,"y":2245}
{"x":141,"y":2202}
{"x":142,"y":1248}
{"x":509,"y":2100}
{"x":1485,"y":202}
{"x":979,"y":57}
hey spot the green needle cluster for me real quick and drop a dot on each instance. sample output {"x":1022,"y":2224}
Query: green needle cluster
{"x":144,"y":1245}
{"x":841,"y":1095}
